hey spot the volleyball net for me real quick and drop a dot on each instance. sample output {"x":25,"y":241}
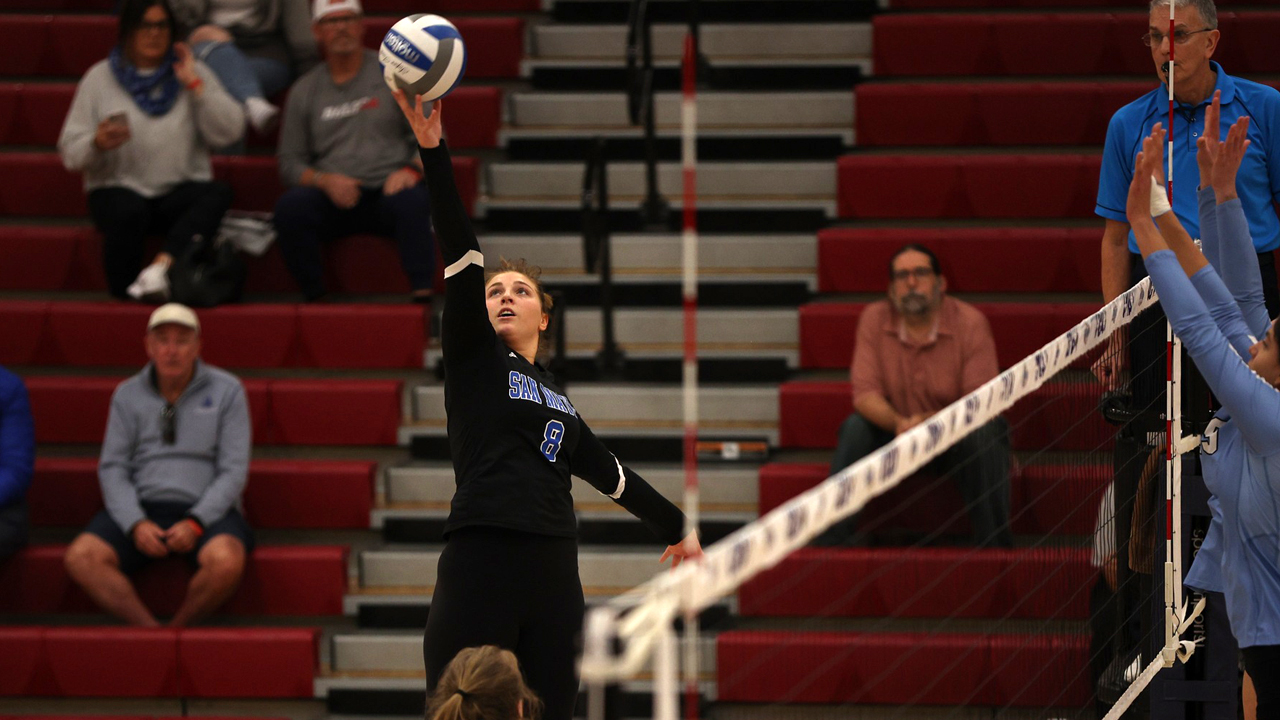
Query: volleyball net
{"x":910,"y":614}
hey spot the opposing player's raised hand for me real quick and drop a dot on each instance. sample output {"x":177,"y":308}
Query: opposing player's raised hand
{"x":1146,"y":170}
{"x":685,"y":549}
{"x":1207,"y":143}
{"x":1227,"y":160}
{"x":427,"y":128}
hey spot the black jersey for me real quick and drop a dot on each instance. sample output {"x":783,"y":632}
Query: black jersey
{"x":514,"y":438}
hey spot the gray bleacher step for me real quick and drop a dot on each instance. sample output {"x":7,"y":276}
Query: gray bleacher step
{"x":643,"y":410}
{"x":415,"y":488}
{"x":716,"y":41}
{"x":560,"y":112}
{"x":748,"y":183}
{"x":610,"y":76}
{"x":402,"y":653}
{"x":603,"y":571}
{"x":728,"y":258}
{"x":659,"y":333}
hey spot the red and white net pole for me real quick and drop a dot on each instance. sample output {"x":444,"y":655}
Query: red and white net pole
{"x":689,"y":159}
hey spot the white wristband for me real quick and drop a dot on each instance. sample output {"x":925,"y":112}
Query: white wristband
{"x":1159,"y":199}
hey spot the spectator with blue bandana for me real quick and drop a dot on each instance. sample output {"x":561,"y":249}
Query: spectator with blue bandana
{"x":140,"y":129}
{"x":17,"y":458}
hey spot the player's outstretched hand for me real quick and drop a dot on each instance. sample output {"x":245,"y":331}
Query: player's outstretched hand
{"x":427,"y":128}
{"x":1147,"y":165}
{"x":1207,"y":143}
{"x":686,"y":549}
{"x":1227,"y":160}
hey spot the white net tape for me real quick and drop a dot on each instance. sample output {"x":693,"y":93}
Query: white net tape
{"x":639,"y":617}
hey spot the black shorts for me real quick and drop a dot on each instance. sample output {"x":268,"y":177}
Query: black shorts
{"x":166,"y":514}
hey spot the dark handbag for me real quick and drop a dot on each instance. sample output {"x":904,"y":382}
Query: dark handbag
{"x":207,"y":275}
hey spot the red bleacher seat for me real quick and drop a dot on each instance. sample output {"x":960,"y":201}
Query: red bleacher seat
{"x":47,"y":258}
{"x":1044,"y":499}
{"x":23,"y":670}
{"x":967,"y":186}
{"x":474,"y":117}
{"x":49,"y":189}
{"x":361,"y":336}
{"x":404,"y":7}
{"x":1043,"y":260}
{"x":335,"y":412}
{"x":296,"y":412}
{"x":1090,"y":43}
{"x":36,"y":184}
{"x":67,"y":45}
{"x":113,"y":661}
{"x":828,"y":330}
{"x":32,"y":113}
{"x":59,"y":5}
{"x":310,"y":493}
{"x":249,"y":662}
{"x":22,"y":325}
{"x":278,"y":580}
{"x":1041,"y":113}
{"x":119,"y":662}
{"x":920,"y":582}
{"x":898,"y":668}
{"x":280,"y":493}
{"x":1061,"y":416}
{"x":108,"y":334}
{"x":70,"y":258}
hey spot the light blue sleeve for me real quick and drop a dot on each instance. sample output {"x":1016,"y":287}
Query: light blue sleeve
{"x":1210,"y":244}
{"x":1253,"y":403}
{"x":1224,"y":311}
{"x":1239,"y":266}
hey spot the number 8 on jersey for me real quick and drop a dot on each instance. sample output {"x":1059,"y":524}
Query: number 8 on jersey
{"x":551,"y":439}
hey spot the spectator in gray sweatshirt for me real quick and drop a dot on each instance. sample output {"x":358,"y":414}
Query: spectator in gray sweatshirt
{"x":173,"y":466}
{"x":350,"y":160}
{"x":140,"y":128}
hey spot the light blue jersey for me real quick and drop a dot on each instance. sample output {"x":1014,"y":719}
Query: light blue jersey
{"x":1240,"y":453}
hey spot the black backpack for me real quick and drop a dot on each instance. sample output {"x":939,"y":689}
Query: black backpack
{"x":207,"y":275}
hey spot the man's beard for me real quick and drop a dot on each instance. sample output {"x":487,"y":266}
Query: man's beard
{"x":913,"y":304}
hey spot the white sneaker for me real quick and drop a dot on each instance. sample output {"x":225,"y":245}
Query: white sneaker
{"x":152,"y":283}
{"x":262,"y":115}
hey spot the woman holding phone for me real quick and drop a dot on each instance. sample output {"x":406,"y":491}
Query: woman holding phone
{"x":140,"y":129}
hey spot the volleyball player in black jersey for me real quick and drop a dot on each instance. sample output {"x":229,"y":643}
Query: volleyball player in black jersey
{"x":508,"y":575}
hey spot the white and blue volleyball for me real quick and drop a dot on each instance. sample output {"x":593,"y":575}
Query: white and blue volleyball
{"x":423,"y":55}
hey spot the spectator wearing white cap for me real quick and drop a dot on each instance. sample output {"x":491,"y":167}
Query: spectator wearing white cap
{"x":349,"y":159}
{"x":173,"y":466}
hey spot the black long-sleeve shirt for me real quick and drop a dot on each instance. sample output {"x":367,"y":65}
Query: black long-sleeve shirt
{"x":515,"y":439}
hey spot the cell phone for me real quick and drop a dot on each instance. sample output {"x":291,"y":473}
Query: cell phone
{"x":119,"y":119}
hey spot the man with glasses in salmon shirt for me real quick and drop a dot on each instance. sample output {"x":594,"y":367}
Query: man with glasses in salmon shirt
{"x":917,"y":352}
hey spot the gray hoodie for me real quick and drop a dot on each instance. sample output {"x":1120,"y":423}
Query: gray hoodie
{"x":206,"y":466}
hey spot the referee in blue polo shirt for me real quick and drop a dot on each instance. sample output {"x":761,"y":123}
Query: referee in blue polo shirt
{"x":1195,"y":79}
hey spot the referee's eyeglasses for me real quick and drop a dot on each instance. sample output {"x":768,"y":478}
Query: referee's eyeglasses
{"x":169,"y":424}
{"x":1180,"y":37}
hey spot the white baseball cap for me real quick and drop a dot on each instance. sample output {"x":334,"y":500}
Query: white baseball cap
{"x":176,"y":314}
{"x":320,"y":8}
